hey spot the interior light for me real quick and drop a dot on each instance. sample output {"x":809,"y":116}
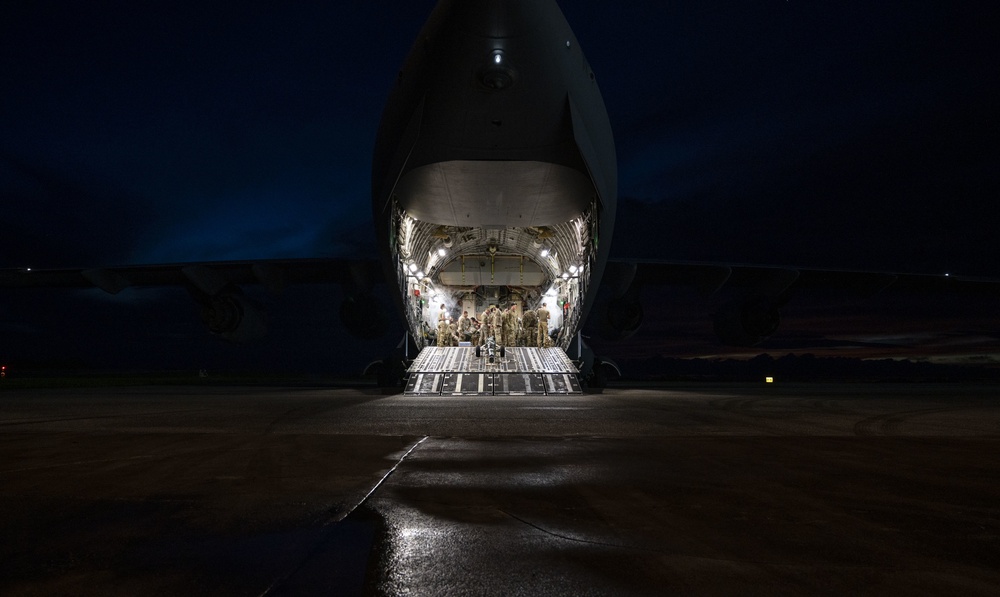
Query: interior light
{"x":497,"y":57}
{"x":565,"y":276}
{"x":442,"y":251}
{"x":413,"y":267}
{"x":419,"y":274}
{"x":544,"y":253}
{"x":573,"y":269}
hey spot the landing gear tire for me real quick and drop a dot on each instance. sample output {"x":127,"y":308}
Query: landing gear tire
{"x":599,"y":377}
{"x":391,"y":375}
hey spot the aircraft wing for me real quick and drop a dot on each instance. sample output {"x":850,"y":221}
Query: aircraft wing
{"x":217,"y":286}
{"x":775,"y":280}
{"x":207,"y":277}
{"x":753,"y":294}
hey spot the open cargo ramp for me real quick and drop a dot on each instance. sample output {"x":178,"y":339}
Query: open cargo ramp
{"x":457,"y":371}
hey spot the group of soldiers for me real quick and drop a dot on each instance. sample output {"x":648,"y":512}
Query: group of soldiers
{"x":503,"y":325}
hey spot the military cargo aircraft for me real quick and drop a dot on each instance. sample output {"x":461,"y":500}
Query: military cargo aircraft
{"x":494,"y":182}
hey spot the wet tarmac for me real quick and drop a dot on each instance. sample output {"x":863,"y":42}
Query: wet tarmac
{"x":683,"y":489}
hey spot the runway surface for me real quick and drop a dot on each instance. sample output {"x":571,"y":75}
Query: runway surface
{"x":683,"y":489}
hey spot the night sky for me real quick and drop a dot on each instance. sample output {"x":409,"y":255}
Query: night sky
{"x":859,"y":135}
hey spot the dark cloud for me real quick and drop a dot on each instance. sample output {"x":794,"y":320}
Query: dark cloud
{"x":57,"y":217}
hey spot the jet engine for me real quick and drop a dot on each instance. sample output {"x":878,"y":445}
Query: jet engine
{"x":623,"y":317}
{"x":747,"y":322}
{"x":234,"y":317}
{"x":623,"y":312}
{"x":362,"y":317}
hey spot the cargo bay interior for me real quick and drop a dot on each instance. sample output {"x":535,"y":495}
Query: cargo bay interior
{"x":474,"y":268}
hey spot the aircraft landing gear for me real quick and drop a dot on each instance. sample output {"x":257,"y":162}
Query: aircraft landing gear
{"x":391,"y":373}
{"x":594,"y":371}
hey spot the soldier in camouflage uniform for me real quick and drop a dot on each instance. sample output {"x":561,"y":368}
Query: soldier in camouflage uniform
{"x":476,"y":332}
{"x":496,"y":321}
{"x":464,"y":327}
{"x":509,"y":318}
{"x":543,"y":326}
{"x":442,"y":330}
{"x":530,"y":322}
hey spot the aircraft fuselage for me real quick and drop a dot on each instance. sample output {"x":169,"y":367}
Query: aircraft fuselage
{"x":494,"y":176}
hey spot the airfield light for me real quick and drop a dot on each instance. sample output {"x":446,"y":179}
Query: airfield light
{"x":768,"y":379}
{"x":497,"y":57}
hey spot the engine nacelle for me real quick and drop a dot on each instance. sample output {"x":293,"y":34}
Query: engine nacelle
{"x":622,"y":318}
{"x":621,"y":311}
{"x":234,"y":317}
{"x":362,"y":317}
{"x":748,"y":322}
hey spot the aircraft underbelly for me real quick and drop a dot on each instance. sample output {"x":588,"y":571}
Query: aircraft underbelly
{"x":494,"y":193}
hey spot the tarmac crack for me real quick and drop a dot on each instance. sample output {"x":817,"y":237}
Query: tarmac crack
{"x":377,"y":485}
{"x":574,"y":539}
{"x":322,"y":542}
